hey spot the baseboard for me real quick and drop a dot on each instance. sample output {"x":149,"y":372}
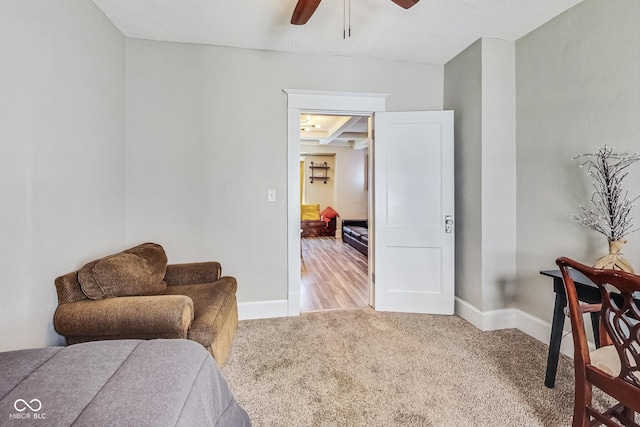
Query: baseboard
{"x":262,"y":309}
{"x":511,"y":318}
{"x":469,"y":313}
{"x":294,"y":304}
{"x":488,"y":320}
{"x":541,"y":330}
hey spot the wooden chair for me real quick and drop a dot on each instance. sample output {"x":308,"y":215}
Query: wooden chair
{"x":614,"y":367}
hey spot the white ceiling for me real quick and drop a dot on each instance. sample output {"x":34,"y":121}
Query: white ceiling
{"x":433,"y":31}
{"x":334,"y":130}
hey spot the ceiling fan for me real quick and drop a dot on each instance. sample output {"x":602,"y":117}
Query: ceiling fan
{"x":305,"y":8}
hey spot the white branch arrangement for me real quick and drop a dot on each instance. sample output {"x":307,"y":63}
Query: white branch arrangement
{"x":610,"y":212}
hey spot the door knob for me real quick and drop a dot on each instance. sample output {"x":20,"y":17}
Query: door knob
{"x":448,"y":224}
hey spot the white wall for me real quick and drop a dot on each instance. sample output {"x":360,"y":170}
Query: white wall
{"x":349,"y":180}
{"x":578,"y":87}
{"x":351,"y":193}
{"x":207,"y":136}
{"x":319,"y":191}
{"x":62,"y":164}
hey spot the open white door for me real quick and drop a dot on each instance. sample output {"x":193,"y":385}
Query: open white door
{"x":414,"y":201}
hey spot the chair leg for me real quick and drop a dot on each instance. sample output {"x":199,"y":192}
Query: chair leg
{"x":580,"y":417}
{"x":629,"y":415}
{"x":582,"y":399}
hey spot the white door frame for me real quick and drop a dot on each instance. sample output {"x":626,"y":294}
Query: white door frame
{"x":346,"y":103}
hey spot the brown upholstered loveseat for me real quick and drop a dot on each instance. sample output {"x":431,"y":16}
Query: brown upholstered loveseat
{"x":134,"y":294}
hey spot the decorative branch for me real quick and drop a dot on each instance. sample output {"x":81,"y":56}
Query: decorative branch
{"x":610,"y":213}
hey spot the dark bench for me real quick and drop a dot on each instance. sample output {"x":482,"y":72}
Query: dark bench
{"x":313,"y":228}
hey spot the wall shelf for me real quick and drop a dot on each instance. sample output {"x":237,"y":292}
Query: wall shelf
{"x":319,"y":171}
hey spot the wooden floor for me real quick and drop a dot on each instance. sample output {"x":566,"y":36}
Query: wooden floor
{"x":334,"y":275}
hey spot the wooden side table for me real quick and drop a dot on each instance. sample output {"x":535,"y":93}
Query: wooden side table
{"x":587,"y":292}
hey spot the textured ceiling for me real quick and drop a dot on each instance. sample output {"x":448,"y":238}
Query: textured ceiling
{"x":433,"y":31}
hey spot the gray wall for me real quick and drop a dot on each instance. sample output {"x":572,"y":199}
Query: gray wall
{"x":498,"y":173}
{"x":463,"y":95}
{"x":62,"y":164}
{"x":207,"y":136}
{"x":578,"y":87}
{"x":480,"y":88}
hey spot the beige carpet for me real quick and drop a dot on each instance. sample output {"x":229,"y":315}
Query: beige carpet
{"x":367,"y":368}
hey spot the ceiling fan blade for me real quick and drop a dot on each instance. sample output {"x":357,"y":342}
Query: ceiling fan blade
{"x":405,"y":3}
{"x":303,"y":11}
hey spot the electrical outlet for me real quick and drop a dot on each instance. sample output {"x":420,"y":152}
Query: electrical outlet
{"x":271,"y":195}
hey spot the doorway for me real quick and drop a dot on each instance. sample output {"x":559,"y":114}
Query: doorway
{"x":334,"y":188}
{"x":337,"y":103}
{"x":412,"y":163}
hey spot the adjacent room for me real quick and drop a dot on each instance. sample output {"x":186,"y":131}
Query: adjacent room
{"x":170,"y":145}
{"x":333,"y":194}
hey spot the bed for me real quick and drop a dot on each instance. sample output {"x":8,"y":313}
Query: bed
{"x":124,"y":382}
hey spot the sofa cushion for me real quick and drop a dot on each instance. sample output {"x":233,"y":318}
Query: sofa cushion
{"x":364,"y":239}
{"x":212,"y":304}
{"x":137,"y":271}
{"x":347,"y":230}
{"x":357,"y":231}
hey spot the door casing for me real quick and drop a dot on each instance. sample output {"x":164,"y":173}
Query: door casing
{"x":321,"y":102}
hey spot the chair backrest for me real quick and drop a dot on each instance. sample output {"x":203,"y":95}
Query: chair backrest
{"x":619,"y":316}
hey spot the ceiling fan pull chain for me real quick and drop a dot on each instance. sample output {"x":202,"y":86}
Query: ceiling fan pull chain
{"x":344,"y":19}
{"x":349,"y":17}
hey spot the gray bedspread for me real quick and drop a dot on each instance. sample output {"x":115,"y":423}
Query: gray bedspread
{"x":116,"y":383}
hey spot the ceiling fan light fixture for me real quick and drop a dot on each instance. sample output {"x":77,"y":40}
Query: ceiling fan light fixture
{"x":305,"y":8}
{"x":406,"y":4}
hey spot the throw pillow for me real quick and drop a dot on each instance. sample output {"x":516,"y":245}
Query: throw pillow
{"x":328,"y":213}
{"x":135,"y":272}
{"x":309,"y":212}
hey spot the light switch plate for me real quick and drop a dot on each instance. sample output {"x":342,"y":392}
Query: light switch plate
{"x":271,"y":195}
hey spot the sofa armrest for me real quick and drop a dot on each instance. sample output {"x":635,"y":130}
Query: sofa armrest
{"x":157,"y":316}
{"x":192,"y":273}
